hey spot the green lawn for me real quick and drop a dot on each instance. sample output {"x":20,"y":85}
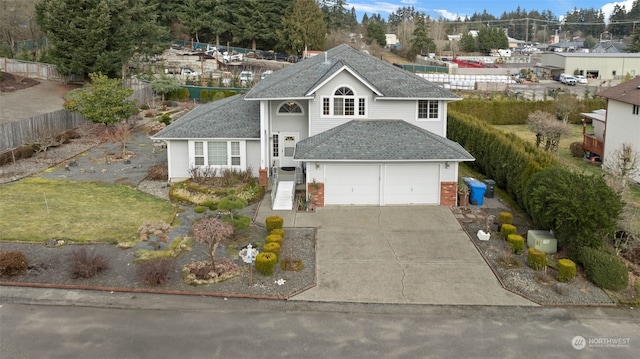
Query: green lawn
{"x":38,"y":209}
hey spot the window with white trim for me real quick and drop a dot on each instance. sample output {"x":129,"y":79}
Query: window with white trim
{"x":217,"y":153}
{"x":276,"y":145}
{"x":427,"y":109}
{"x":343,"y":104}
{"x":289,"y":107}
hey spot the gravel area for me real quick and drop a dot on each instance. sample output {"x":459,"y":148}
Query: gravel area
{"x":538,"y":286}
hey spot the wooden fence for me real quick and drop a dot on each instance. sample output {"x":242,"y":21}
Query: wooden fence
{"x":17,"y":133}
{"x":36,"y":70}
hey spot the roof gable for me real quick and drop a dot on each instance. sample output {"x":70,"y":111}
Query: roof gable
{"x":628,"y":92}
{"x":379,"y":140}
{"x":302,"y":79}
{"x":232,"y":117}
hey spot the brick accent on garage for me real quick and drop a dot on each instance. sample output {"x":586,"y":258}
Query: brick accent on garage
{"x":316,"y":193}
{"x":448,"y":193}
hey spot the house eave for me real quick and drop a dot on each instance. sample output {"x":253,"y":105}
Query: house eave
{"x":280,"y":98}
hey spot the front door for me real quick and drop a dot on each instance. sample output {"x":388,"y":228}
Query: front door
{"x":288,"y":142}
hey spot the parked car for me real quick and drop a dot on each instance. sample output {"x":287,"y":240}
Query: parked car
{"x":568,"y":79}
{"x":581,"y":79}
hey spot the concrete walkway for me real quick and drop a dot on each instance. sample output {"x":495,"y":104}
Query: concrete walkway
{"x":395,"y":255}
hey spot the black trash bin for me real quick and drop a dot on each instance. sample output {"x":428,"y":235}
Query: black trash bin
{"x":491,"y":188}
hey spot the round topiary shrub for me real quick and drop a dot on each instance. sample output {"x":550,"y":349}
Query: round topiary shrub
{"x":516,"y":242}
{"x":199,"y":209}
{"x":266,"y":262}
{"x":604,"y":269}
{"x":274,"y":222}
{"x":505,"y":218}
{"x":536,"y":259}
{"x":273,"y":247}
{"x":566,"y":270}
{"x":273,"y":238}
{"x":12,"y":263}
{"x":278,"y":231}
{"x":239,"y":221}
{"x":507,"y":229}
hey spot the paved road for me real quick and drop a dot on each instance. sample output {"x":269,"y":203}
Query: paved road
{"x":179,"y":327}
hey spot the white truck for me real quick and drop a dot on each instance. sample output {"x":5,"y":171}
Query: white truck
{"x":501,"y":53}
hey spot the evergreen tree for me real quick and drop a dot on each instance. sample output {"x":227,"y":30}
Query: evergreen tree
{"x":304,"y":26}
{"x":468,"y":43}
{"x":375,"y":33}
{"x":491,"y":38}
{"x":421,"y":42}
{"x":97,"y":35}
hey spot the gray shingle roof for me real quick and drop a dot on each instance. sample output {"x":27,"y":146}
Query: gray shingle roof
{"x":297,"y":80}
{"x":379,"y":140}
{"x":232,"y":117}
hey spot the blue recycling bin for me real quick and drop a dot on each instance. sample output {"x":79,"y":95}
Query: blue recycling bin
{"x":477,"y":190}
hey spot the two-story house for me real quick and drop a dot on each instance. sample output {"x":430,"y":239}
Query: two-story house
{"x":622,"y":124}
{"x":354,"y":130}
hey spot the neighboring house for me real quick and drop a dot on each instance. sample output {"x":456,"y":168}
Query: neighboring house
{"x":355,"y":129}
{"x":609,"y":47}
{"x":622,"y":123}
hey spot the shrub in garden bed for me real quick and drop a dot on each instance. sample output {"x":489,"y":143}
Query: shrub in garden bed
{"x":156,"y":271}
{"x":266,"y":263}
{"x":516,"y":242}
{"x":566,"y":270}
{"x":12,"y":263}
{"x":278,"y":231}
{"x":85,"y":264}
{"x":505,"y":218}
{"x":604,"y":269}
{"x":273,"y":238}
{"x":507,"y":229}
{"x":536,"y":259}
{"x":274,"y":222}
{"x":273,"y":247}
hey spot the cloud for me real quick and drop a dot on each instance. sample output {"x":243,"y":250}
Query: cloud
{"x":375,"y":7}
{"x":607,"y":9}
{"x":448,"y":14}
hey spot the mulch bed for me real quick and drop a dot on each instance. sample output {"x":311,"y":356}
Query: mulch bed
{"x":10,"y":82}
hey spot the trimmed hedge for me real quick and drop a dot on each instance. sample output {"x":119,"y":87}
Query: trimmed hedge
{"x":273,"y":247}
{"x":508,"y":229}
{"x":273,"y":238}
{"x":566,"y":270}
{"x":274,"y":222}
{"x":514,"y":112}
{"x":536,"y":259}
{"x":504,"y":157}
{"x":604,"y":269}
{"x":505,"y":218}
{"x":278,"y":231}
{"x":266,"y":262}
{"x":516,"y":242}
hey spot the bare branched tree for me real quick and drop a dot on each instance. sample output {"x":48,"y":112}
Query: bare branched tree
{"x":43,"y":139}
{"x":120,"y":133}
{"x":548,"y":130}
{"x":210,"y":232}
{"x":624,"y":164}
{"x":565,"y":104}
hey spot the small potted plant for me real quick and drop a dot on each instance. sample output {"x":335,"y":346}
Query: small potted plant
{"x":463,"y":194}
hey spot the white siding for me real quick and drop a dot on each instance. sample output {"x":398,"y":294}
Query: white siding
{"x":178,"y":160}
{"x":622,"y":127}
{"x":253,"y":156}
{"x":406,"y":110}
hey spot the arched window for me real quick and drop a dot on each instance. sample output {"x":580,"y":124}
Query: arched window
{"x":290,"y":107}
{"x":344,"y":103}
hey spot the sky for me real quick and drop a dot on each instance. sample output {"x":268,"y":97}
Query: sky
{"x":451,"y":9}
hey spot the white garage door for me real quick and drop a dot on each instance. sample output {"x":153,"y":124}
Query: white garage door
{"x":352,"y":184}
{"x":412,"y":184}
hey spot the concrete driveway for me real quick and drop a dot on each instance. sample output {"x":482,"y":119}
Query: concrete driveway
{"x":396,"y":255}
